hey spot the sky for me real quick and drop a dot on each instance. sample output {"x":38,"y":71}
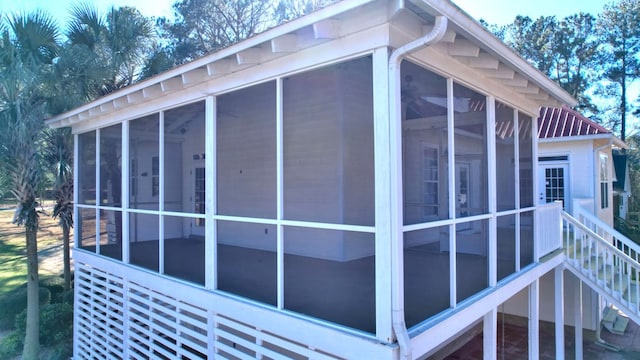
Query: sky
{"x":493,"y":11}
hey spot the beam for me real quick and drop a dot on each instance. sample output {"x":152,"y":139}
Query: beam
{"x":172,"y":84}
{"x":194,"y":76}
{"x":120,"y":102}
{"x":220,"y":67}
{"x":502,"y":72}
{"x":135,"y":97}
{"x":285,"y":44}
{"x":249,"y":56}
{"x":326,"y":29}
{"x":152,"y":91}
{"x":463,"y":47}
{"x":484,"y":61}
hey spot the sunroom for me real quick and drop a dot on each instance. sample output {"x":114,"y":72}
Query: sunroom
{"x":312,"y":184}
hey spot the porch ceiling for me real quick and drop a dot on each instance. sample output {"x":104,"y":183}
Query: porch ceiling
{"x":467,"y":41}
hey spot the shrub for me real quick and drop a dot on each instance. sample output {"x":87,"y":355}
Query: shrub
{"x":55,"y":285}
{"x":11,"y":345}
{"x":56,"y":328}
{"x":14,"y":302}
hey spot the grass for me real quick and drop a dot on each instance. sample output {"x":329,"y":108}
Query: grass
{"x":13,"y":266}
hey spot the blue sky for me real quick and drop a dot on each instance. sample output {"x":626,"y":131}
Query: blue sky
{"x":493,"y":11}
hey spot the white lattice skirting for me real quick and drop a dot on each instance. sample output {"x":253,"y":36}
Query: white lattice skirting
{"x":126,"y":313}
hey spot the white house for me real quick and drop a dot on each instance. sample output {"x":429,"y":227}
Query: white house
{"x":357,"y":183}
{"x":575,"y":160}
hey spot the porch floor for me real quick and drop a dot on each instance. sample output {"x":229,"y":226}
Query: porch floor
{"x":338,"y":291}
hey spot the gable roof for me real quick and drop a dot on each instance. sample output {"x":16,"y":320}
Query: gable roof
{"x":561,"y":122}
{"x":380,"y":22}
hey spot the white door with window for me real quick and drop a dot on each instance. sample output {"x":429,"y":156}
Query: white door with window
{"x":553,"y":184}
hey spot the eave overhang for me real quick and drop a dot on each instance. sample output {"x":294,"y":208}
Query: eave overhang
{"x":467,"y":41}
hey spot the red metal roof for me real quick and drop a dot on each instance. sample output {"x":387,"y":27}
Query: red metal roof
{"x":560,"y":122}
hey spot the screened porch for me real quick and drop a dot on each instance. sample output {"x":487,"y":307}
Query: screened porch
{"x":268,"y":193}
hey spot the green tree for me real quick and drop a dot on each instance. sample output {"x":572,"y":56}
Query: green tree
{"x":618,"y":30}
{"x":203,"y":26}
{"x":58,"y":154}
{"x":287,"y":10}
{"x":109,"y":52}
{"x":28,"y":46}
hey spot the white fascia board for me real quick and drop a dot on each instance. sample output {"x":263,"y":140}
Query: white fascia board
{"x":268,"y":35}
{"x":474,"y":31}
{"x":615,"y":141}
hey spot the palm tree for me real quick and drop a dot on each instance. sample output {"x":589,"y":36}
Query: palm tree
{"x":116,"y":45}
{"x":58,"y":153}
{"x":28,"y":46}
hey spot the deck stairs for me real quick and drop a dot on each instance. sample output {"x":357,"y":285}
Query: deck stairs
{"x":606,"y":261}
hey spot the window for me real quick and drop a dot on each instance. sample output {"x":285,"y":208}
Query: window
{"x":604,"y":181}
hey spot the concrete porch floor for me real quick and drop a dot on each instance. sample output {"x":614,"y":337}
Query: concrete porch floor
{"x":514,"y":344}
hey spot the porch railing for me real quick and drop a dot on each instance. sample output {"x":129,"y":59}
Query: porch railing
{"x":548,"y":228}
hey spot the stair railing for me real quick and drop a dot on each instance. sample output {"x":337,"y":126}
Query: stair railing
{"x":623,"y":243}
{"x":602,"y":265}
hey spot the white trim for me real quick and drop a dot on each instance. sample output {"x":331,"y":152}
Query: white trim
{"x":210,"y":244}
{"x":161,"y":177}
{"x":534,"y":319}
{"x":559,"y":311}
{"x":279,"y":193}
{"x":490,"y":334}
{"x":384,"y":238}
{"x":437,"y":330}
{"x":98,"y":191}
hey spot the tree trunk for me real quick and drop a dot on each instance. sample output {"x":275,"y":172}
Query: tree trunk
{"x":31,"y":339}
{"x":67,"y":257}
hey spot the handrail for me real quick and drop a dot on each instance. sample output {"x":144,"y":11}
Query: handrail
{"x":602,"y":265}
{"x":575,"y":222}
{"x":617,"y":237}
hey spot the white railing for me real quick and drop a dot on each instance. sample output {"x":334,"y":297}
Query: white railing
{"x":548,"y":228}
{"x":604,"y":230}
{"x":601,"y":265}
{"x":122,"y":312}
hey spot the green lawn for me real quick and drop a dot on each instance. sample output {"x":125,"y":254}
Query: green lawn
{"x":13,"y":267}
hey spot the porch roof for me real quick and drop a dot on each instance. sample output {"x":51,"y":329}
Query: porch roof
{"x":466,"y":41}
{"x":564,"y":123}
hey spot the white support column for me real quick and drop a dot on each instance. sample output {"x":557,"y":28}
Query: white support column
{"x":492,"y":191}
{"x":490,"y":335}
{"x":451,"y":166}
{"x":578,"y":317}
{"x":161,"y":171}
{"x":559,"y":310}
{"x":383,"y":234}
{"x":210,"y":249}
{"x":125,"y":192}
{"x":97,"y":195}
{"x":534,"y":320}
{"x":279,"y":194}
{"x":76,"y":188}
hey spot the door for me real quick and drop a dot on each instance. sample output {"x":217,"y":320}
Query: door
{"x":553,"y":184}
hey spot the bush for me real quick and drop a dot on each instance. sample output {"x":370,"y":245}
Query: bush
{"x":56,"y":328}
{"x":55,"y":285}
{"x":14,"y":302}
{"x":11,"y":345}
